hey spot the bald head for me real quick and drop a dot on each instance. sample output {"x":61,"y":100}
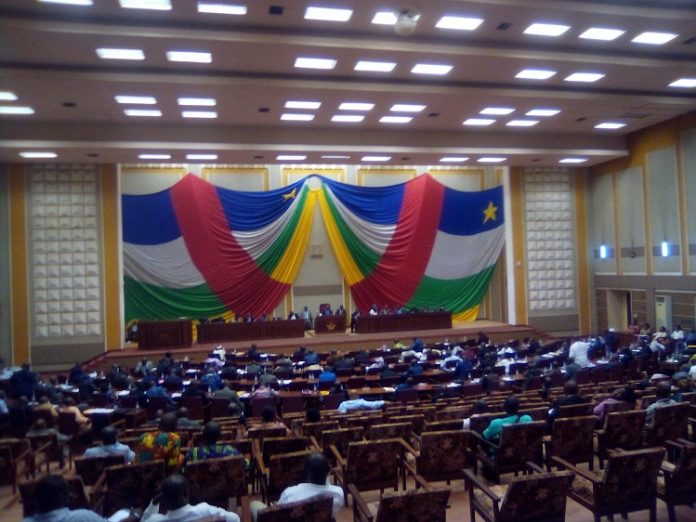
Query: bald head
{"x":175,"y":491}
{"x":663,"y":389}
{"x":168,"y":422}
{"x":317,"y":468}
{"x":571,"y":388}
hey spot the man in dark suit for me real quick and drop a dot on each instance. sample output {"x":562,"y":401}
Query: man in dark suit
{"x":571,"y":397}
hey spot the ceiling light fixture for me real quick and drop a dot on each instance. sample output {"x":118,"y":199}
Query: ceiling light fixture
{"x":296,"y":104}
{"x":540,"y":29}
{"x":431,"y":68}
{"x":15,"y":110}
{"x":288,"y":116}
{"x":384,"y":18}
{"x":461,"y":23}
{"x":491,"y":159}
{"x":197,"y":102}
{"x":221,"y":8}
{"x":395,"y":119}
{"x":407,"y":107}
{"x":314,"y":63}
{"x":406,"y":21}
{"x":654,"y":38}
{"x":365,"y":65}
{"x":156,"y":5}
{"x":347,"y":118}
{"x":356,"y":106}
{"x":201,"y":157}
{"x":610,"y":125}
{"x":146,"y":113}
{"x":38,"y":155}
{"x":290,"y":157}
{"x":135,"y":100}
{"x":335,"y":157}
{"x":573,"y":160}
{"x":522,"y":123}
{"x":685,"y":83}
{"x":601,"y":33}
{"x":535,"y":74}
{"x":542,"y":112}
{"x":8,"y":96}
{"x":68,"y":2}
{"x":482,"y":122}
{"x":155,"y":156}
{"x":454,"y":159}
{"x":199,"y":114}
{"x":375,"y":158}
{"x":190,"y":56}
{"x":502,"y":111}
{"x":328,"y":14}
{"x":120,"y":54}
{"x":584,"y":77}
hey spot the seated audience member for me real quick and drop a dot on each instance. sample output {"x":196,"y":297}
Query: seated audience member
{"x":84,"y":423}
{"x":269,"y":379}
{"x":313,"y":415}
{"x":327,"y":375}
{"x":183,"y":421}
{"x":45,"y":405}
{"x":196,"y":389}
{"x":571,"y":369}
{"x":227,"y":393}
{"x":211,"y":381}
{"x":163,"y":444}
{"x":618,"y":397}
{"x":317,"y":468}
{"x":270,"y":420}
{"x":209,"y":448}
{"x":479,"y":407}
{"x":52,"y":501}
{"x":40,"y":429}
{"x":174,"y":500}
{"x":143,"y":368}
{"x":4,"y":410}
{"x":684,"y":385}
{"x":76,"y":374}
{"x":157,"y":390}
{"x":311,"y":358}
{"x":512,"y":406}
{"x":110,"y":446}
{"x":263,"y":392}
{"x":254,"y":368}
{"x":662,"y":391}
{"x":571,"y":397}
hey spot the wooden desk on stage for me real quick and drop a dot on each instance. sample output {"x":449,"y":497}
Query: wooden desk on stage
{"x":328,"y":324}
{"x":403,"y":322}
{"x":165,"y":334}
{"x":256,"y":331}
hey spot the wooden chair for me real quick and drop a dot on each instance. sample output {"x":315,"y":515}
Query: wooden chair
{"x":195,"y":407}
{"x":628,"y":484}
{"x":46,"y":449}
{"x":443,"y":425}
{"x":316,"y":509}
{"x":261,"y":403}
{"x":670,"y":423}
{"x":621,"y":430}
{"x":127,"y":486}
{"x":78,"y":499}
{"x":677,"y":486}
{"x":394,"y":430}
{"x":442,"y":455}
{"x":417,"y":505}
{"x":417,"y":421}
{"x":216,"y":480}
{"x":270,"y":446}
{"x":315,"y":429}
{"x":519,"y":444}
{"x":89,"y":469}
{"x":521,"y":498}
{"x":219,"y":407}
{"x":575,"y":410}
{"x":262,"y":433}
{"x":15,"y":459}
{"x":284,"y":470}
{"x":370,"y":465}
{"x":340,"y":439}
{"x":572,"y":439}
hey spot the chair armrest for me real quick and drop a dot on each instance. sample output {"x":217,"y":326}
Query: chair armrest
{"x":480,"y":438}
{"x":476,"y":481}
{"x":535,"y":467}
{"x":258,"y":458}
{"x":359,"y":505}
{"x":314,"y":442}
{"x":584,"y":474}
{"x":667,"y":467}
{"x":337,"y":455}
{"x":410,"y":449}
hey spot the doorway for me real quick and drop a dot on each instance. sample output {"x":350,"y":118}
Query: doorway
{"x":618,"y":309}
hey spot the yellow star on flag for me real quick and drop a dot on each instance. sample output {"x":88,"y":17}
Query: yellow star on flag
{"x":489,"y":213}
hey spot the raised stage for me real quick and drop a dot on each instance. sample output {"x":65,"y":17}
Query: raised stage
{"x":498,"y":332}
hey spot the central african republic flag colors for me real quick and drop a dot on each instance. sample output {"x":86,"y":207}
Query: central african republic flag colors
{"x":199,"y":250}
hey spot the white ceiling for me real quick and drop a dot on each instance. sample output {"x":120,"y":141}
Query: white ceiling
{"x":48,"y":59}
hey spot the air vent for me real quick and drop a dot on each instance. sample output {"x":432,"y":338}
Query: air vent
{"x":504,"y":26}
{"x":275,"y":10}
{"x":263,"y":109}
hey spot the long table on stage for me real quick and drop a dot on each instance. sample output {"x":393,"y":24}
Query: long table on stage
{"x":403,"y":322}
{"x":326,"y":324}
{"x":165,"y":334}
{"x":255,"y":331}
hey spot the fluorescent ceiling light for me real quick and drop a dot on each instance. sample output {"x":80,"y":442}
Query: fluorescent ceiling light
{"x":148,"y":113}
{"x":491,"y":159}
{"x":573,"y":160}
{"x":38,"y":155}
{"x":291,"y":157}
{"x":7,"y":96}
{"x":584,"y":77}
{"x":454,"y":159}
{"x":546,"y":29}
{"x":221,"y":8}
{"x":6,"y":109}
{"x":201,"y":156}
{"x":296,"y":104}
{"x":384,"y":18}
{"x":462,"y":23}
{"x":395,"y":119}
{"x":407,"y":107}
{"x":335,"y":157}
{"x":498,"y":110}
{"x":157,"y":5}
{"x":522,"y":123}
{"x":288,"y":116}
{"x":356,"y":106}
{"x":601,"y":33}
{"x":664,"y":249}
{"x":478,"y":121}
{"x":155,"y":156}
{"x":347,"y":118}
{"x":189,"y":56}
{"x":431,"y":68}
{"x":328,"y":14}
{"x":603,"y":251}
{"x":136,"y":100}
{"x":688,"y":83}
{"x":543,"y":112}
{"x":535,"y":74}
{"x":610,"y":125}
{"x":120,"y":54}
{"x":366,"y":65}
{"x":199,"y":114}
{"x":197,"y":102}
{"x":68,"y":2}
{"x":654,"y":38}
{"x":315,"y":63}
{"x":375,"y":158}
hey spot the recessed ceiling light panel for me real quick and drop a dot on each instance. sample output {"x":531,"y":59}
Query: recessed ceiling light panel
{"x":431,"y":68}
{"x":120,"y":54}
{"x":299,"y":104}
{"x":573,"y":160}
{"x":535,"y":74}
{"x":221,"y":8}
{"x":356,"y":106}
{"x":481,"y":122}
{"x":491,"y":159}
{"x":347,"y":118}
{"x":601,"y":33}
{"x":366,"y":65}
{"x":461,"y":23}
{"x":38,"y":155}
{"x":654,"y":38}
{"x":328,"y":14}
{"x":303,"y":62}
{"x":546,"y":29}
{"x":407,"y":107}
{"x":610,"y":125}
{"x":199,"y":114}
{"x":202,"y":157}
{"x":454,"y":159}
{"x":135,"y":100}
{"x":291,"y":157}
{"x":384,"y":18}
{"x":543,"y":113}
{"x":145,"y":113}
{"x":68,"y":2}
{"x":155,"y":156}
{"x":375,"y":158}
{"x":288,"y":116}
{"x":335,"y":156}
{"x":190,"y":56}
{"x":502,"y":111}
{"x":522,"y":123}
{"x":584,"y":77}
{"x":395,"y":119}
{"x":197,"y":102}
{"x":15,"y":109}
{"x":7,"y":96}
{"x":684,"y":83}
{"x":156,"y":5}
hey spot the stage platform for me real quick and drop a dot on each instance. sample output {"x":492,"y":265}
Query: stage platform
{"x":498,"y":332}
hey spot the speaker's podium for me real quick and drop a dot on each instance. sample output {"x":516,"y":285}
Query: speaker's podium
{"x":165,"y":334}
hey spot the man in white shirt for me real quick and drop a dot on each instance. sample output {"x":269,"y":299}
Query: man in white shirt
{"x":174,"y":497}
{"x":578,"y":351}
{"x":317,"y":468}
{"x":110,"y":446}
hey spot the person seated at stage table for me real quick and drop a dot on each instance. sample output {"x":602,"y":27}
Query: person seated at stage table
{"x":374,"y":310}
{"x":325,"y":312}
{"x":110,"y":446}
{"x":143,"y":368}
{"x":292,"y":316}
{"x":341,"y":310}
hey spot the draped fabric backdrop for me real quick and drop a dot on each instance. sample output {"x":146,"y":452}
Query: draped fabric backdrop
{"x":199,"y":250}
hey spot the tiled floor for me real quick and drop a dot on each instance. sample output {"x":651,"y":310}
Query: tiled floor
{"x":11,"y":508}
